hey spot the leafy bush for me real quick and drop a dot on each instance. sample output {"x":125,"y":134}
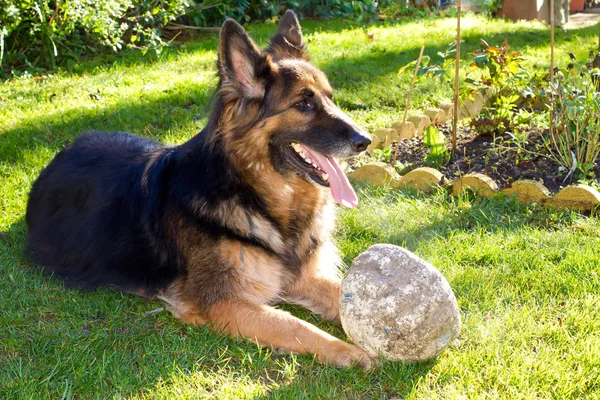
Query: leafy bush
{"x":499,"y":71}
{"x":43,"y":33}
{"x":40,"y":33}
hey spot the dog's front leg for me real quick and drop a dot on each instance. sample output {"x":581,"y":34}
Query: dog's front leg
{"x":271,"y":327}
{"x":319,"y":294}
{"x":318,"y":286}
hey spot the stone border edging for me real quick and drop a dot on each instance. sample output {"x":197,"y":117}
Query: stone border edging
{"x":579,"y":197}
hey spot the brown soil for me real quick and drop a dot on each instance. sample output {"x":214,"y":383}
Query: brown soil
{"x":497,"y":158}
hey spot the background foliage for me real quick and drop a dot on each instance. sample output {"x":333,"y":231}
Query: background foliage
{"x":40,"y":34}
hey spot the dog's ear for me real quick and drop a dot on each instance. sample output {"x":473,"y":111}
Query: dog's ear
{"x":242,"y":65}
{"x":288,"y":41}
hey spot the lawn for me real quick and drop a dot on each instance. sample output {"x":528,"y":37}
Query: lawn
{"x":527,"y":280}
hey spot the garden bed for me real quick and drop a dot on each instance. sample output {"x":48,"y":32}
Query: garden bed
{"x":485,"y":164}
{"x":500,"y":160}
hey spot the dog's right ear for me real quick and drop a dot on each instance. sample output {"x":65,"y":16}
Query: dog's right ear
{"x":242,"y":65}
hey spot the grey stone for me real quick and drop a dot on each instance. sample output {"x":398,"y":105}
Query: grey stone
{"x":395,"y":304}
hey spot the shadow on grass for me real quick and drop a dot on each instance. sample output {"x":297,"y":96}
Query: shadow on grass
{"x":391,"y":380}
{"x":261,"y":32}
{"x":153,"y":118}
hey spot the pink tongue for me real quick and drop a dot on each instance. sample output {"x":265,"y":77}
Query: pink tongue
{"x":338,"y":183}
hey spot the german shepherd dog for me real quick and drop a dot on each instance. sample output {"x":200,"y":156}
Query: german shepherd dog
{"x":227,"y":224}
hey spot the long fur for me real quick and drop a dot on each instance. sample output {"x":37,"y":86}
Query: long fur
{"x":222,"y":226}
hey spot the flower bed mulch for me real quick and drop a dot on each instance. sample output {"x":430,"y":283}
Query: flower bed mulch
{"x":501,"y":160}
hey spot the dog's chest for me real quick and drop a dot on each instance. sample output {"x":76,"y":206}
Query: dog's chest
{"x":263,"y":275}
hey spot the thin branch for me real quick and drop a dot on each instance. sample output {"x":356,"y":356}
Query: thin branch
{"x":412,"y":85}
{"x":573,"y":167}
{"x":176,"y":27}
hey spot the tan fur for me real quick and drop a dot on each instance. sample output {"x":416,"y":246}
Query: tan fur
{"x":298,"y":195}
{"x":237,"y":219}
{"x":261,"y":277}
{"x":271,"y":327}
{"x":245,"y":279}
{"x":149,"y":164}
{"x":318,"y":288}
{"x":274,"y":328}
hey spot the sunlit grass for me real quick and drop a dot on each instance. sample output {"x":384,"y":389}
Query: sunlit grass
{"x":527,"y":281}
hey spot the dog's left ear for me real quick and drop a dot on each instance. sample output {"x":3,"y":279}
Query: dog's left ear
{"x":288,"y":41}
{"x":242,"y":66}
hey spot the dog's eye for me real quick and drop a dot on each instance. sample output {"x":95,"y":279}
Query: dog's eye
{"x":303,"y":105}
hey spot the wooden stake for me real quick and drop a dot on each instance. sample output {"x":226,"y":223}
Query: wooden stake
{"x":455,"y":112}
{"x":552,"y":86}
{"x":412,"y":85}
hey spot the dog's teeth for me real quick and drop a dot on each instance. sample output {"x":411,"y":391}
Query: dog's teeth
{"x":325,"y":177}
{"x":314,"y":165}
{"x":297,"y":147}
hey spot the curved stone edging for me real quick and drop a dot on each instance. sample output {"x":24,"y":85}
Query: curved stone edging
{"x":381,"y":174}
{"x":418,"y":121}
{"x":579,"y":197}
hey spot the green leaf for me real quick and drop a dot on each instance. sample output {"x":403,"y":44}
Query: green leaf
{"x":436,"y":141}
{"x":410,"y":64}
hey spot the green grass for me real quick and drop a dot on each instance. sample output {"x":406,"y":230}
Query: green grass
{"x":527,"y":281}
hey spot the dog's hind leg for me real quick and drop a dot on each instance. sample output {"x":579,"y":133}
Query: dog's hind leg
{"x":271,"y":327}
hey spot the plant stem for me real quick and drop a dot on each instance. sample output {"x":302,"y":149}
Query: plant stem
{"x":455,"y":119}
{"x":412,"y":85}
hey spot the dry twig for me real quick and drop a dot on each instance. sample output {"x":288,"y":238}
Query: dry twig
{"x":412,"y":85}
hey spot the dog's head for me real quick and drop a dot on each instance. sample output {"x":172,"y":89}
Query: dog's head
{"x":277,"y":110}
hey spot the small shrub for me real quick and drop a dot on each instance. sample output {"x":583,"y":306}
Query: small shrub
{"x":40,"y":34}
{"x":575,"y":139}
{"x":496,"y":68}
{"x":497,"y":71}
{"x":43,"y":34}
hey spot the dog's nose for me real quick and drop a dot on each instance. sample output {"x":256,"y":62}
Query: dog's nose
{"x":360,"y":141}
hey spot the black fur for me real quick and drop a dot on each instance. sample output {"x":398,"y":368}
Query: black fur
{"x":92,"y":221}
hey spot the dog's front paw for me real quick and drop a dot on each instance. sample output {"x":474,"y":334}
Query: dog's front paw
{"x":341,"y":354}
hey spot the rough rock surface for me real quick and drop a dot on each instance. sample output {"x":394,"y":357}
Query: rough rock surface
{"x":395,"y":304}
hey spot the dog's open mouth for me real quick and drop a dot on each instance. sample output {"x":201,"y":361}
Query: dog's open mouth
{"x":325,"y":171}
